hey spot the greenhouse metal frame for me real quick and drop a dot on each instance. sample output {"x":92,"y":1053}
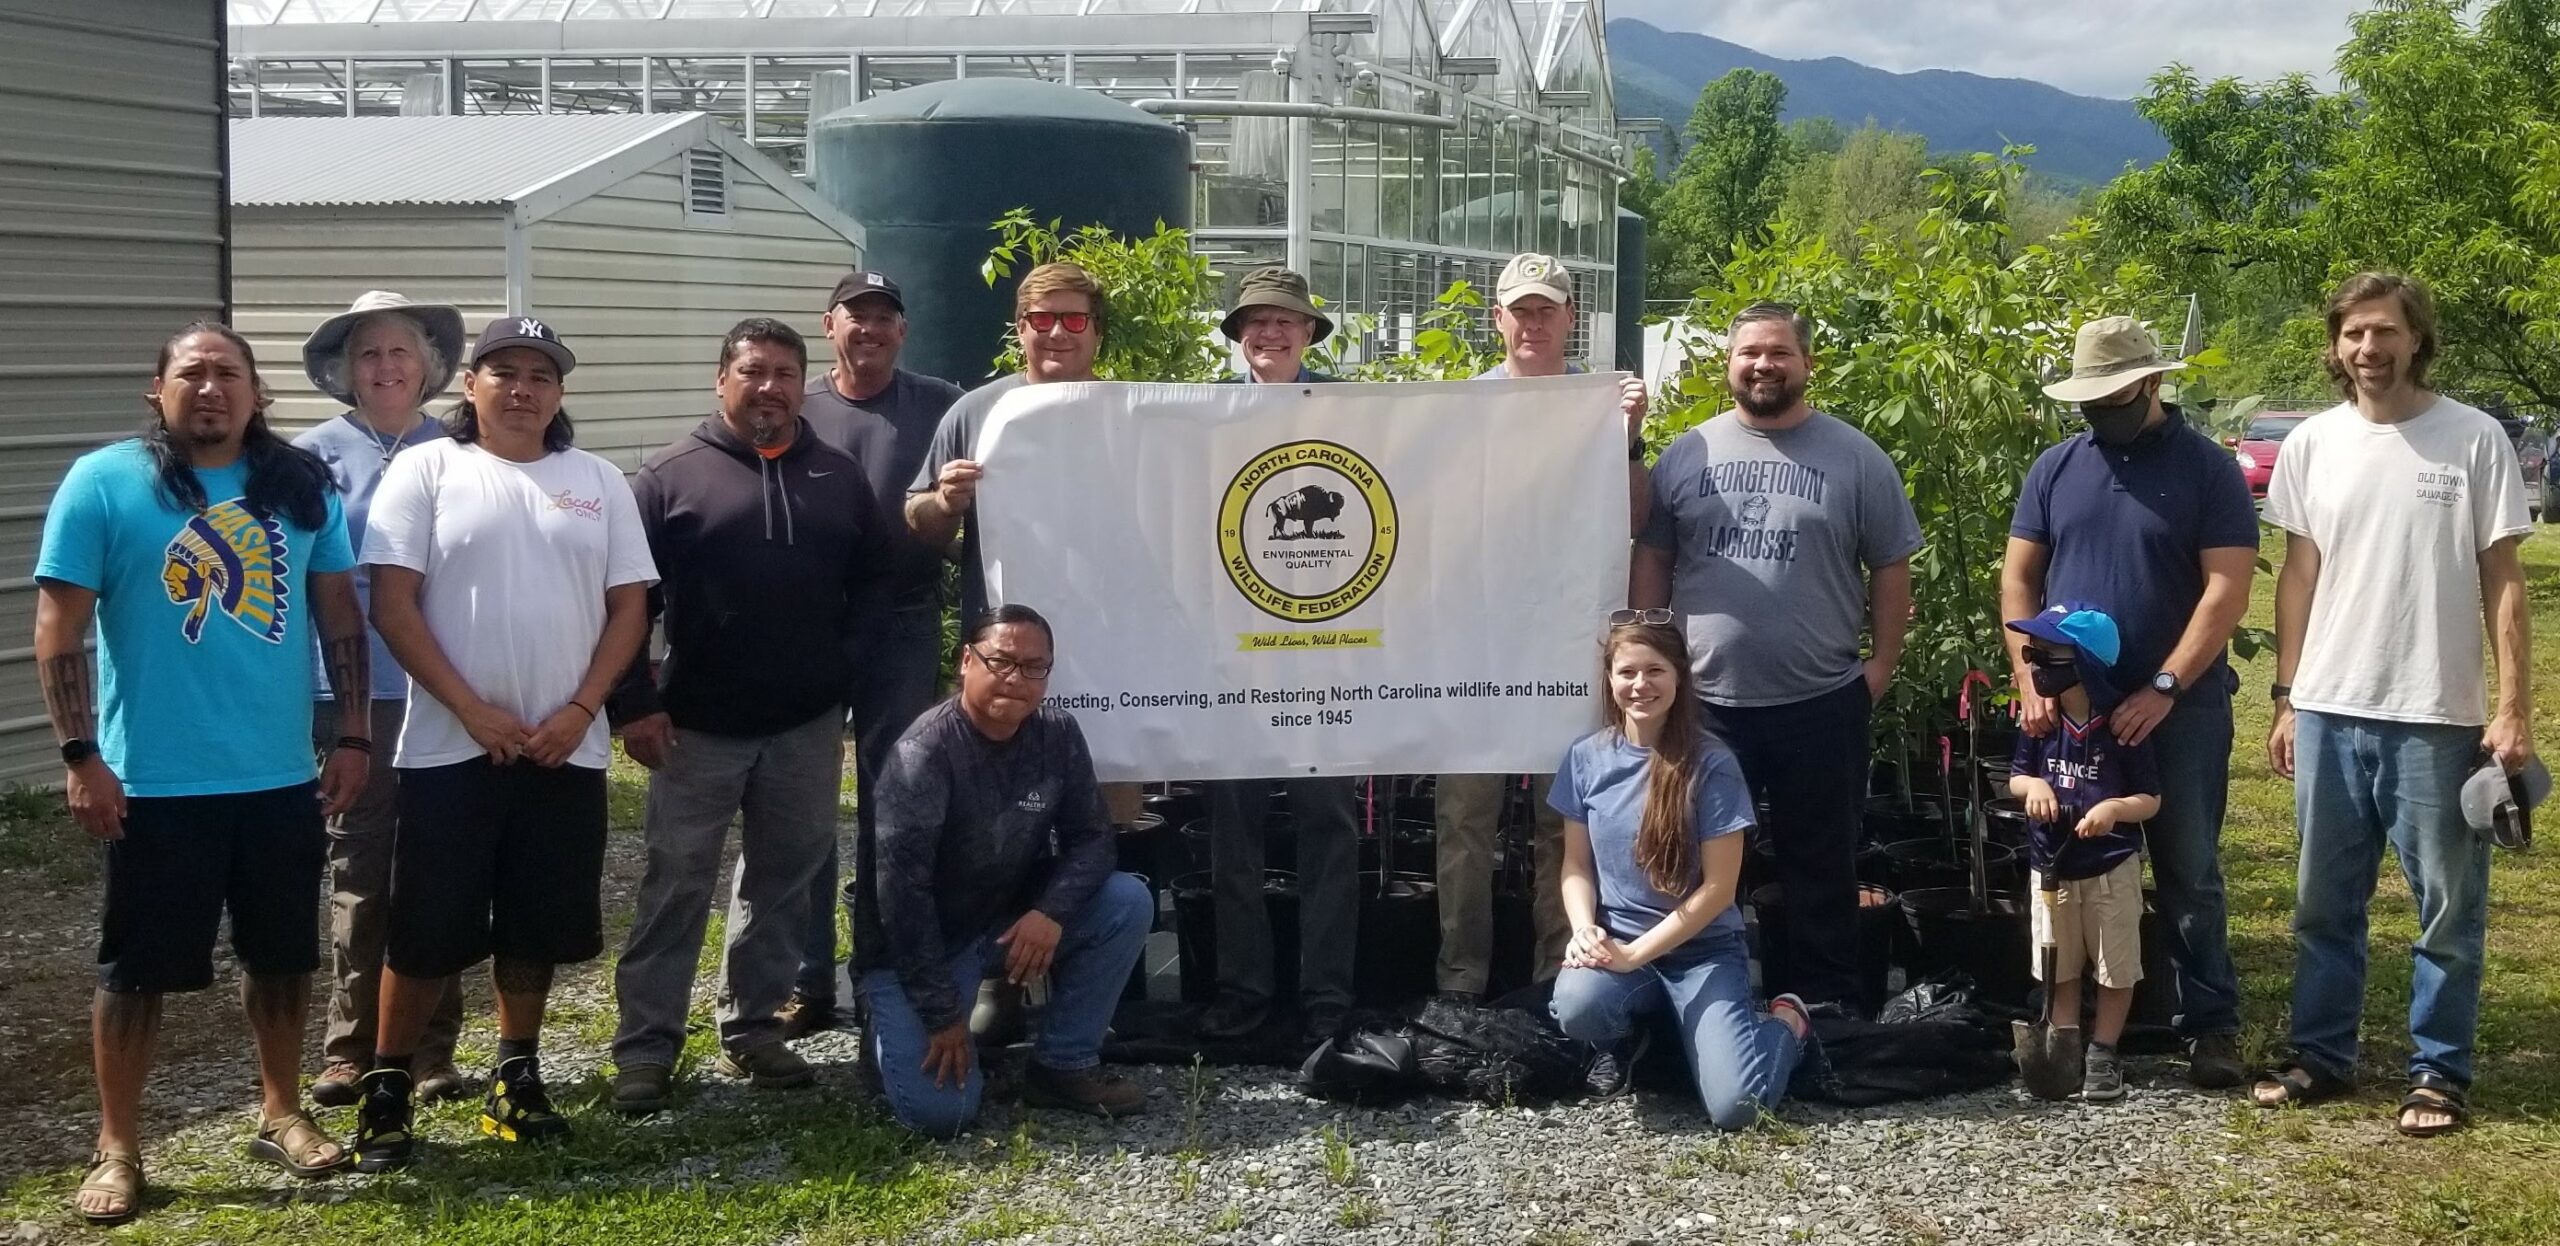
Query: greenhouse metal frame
{"x":1384,"y":147}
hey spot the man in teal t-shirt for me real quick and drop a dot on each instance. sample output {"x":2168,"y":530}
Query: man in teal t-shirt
{"x":206,"y":551}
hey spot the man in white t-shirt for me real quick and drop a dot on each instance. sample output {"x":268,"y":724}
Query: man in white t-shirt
{"x":2402,"y":512}
{"x":510,"y":579}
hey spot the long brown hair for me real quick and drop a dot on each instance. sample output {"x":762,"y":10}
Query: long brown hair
{"x":1666,"y":842}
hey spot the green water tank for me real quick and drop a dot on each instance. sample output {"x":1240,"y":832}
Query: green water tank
{"x":926,"y":170}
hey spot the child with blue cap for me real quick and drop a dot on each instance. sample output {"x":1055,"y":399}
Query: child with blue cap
{"x":2087,"y":794}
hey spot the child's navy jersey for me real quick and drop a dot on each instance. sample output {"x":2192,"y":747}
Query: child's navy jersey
{"x":2086,"y":764}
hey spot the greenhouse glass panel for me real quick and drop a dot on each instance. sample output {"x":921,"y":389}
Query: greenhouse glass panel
{"x":791,"y":91}
{"x":583,"y":86}
{"x":992,"y":65}
{"x":1360,"y":192}
{"x":883,"y":74}
{"x":1330,"y":175}
{"x":1124,"y":77}
{"x":302,"y":88}
{"x":1233,"y":259}
{"x":421,"y":10}
{"x":500,"y":87}
{"x":691,"y":84}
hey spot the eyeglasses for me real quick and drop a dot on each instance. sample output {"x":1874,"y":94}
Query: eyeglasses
{"x":1043,"y":321}
{"x":1650,"y":618}
{"x":2037,"y":655}
{"x":1003,"y":667}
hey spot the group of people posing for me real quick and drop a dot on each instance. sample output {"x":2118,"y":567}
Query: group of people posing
{"x":397,"y":647}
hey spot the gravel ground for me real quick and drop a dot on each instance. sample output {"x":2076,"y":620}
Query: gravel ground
{"x":1238,"y":1156}
{"x":1250,"y":1164}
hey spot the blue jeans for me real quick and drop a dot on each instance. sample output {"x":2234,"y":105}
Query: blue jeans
{"x":2193,"y":746}
{"x":1097,"y":948}
{"x":2358,"y":783}
{"x":1739,"y":1058}
{"x":896,"y":672}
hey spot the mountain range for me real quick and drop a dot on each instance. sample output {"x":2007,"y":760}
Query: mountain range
{"x":2078,"y":139}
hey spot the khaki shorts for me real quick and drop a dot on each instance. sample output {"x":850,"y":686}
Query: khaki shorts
{"x":2092,"y":921}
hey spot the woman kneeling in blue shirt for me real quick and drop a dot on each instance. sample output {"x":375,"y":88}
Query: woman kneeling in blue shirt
{"x":1653,"y":806}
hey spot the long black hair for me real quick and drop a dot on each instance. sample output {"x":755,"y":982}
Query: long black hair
{"x":284,"y":479}
{"x":463,"y":423}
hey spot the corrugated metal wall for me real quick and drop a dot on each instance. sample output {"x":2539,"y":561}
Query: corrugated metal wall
{"x":644,"y":299}
{"x":111,"y":235}
{"x":292,"y":268}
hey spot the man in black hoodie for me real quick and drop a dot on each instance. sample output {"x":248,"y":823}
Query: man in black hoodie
{"x":769,"y":542}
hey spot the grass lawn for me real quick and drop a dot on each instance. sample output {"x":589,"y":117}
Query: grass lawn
{"x":817,"y":1170}
{"x":2499,"y":1181}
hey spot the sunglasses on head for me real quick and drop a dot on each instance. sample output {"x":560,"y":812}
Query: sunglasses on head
{"x":1044,"y":321}
{"x":1650,"y":618}
{"x":2038,"y":655}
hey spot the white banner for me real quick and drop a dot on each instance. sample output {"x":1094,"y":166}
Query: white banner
{"x":1254,"y":581}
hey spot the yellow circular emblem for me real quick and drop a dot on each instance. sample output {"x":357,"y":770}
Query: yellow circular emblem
{"x":1307,"y":531}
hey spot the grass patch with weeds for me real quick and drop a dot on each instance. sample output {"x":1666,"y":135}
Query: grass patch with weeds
{"x":1359,"y":1212}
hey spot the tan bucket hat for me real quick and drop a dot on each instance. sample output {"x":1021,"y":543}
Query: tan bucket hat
{"x":442,"y":322}
{"x":2110,"y":353}
{"x":1275,"y":287}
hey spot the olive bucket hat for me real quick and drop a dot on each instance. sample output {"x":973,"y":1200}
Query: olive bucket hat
{"x":1274,"y":287}
{"x":328,"y":343}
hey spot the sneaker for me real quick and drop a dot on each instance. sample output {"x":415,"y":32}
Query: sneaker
{"x":2213,"y":1062}
{"x":383,"y":1140}
{"x":1612,"y":1071}
{"x":1321,"y":1022}
{"x":336,"y":1085}
{"x":805,"y":1014}
{"x":442,"y":1081}
{"x":640,"y":1089}
{"x":1081,"y":1090}
{"x":768,"y":1066}
{"x":2104,"y":1080}
{"x":518,"y":1108}
{"x":1232,"y":1016}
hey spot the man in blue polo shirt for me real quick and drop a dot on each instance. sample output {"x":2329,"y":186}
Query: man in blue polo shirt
{"x":2145,"y":515}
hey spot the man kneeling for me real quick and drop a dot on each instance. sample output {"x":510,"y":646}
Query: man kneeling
{"x":994,"y":854}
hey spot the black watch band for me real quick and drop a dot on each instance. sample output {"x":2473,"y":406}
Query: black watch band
{"x":2279,"y":692}
{"x":75,"y":752}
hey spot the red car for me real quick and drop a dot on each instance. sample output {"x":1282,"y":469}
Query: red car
{"x":2255,"y":448}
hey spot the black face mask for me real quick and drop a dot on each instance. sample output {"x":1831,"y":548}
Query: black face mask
{"x":2052,"y":680}
{"x":2117,"y":424}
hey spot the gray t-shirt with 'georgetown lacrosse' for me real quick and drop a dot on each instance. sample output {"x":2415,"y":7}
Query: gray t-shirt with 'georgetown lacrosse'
{"x":1771,"y":534}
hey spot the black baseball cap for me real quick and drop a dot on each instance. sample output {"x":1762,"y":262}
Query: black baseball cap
{"x":506,"y":331}
{"x":862,"y":281}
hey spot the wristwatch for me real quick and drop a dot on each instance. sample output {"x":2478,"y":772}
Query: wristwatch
{"x":2165,"y":683}
{"x":2279,"y":692}
{"x":75,"y":752}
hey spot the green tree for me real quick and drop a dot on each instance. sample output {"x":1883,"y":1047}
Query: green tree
{"x":1937,"y":350}
{"x":1727,"y":186}
{"x":1160,"y":296}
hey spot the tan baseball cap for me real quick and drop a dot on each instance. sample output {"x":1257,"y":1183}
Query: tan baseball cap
{"x":1531,"y":273}
{"x":2110,"y":353}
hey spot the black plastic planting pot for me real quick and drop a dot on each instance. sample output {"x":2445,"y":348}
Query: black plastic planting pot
{"x":1880,"y":935}
{"x":1195,"y":924}
{"x":1930,"y":863}
{"x":1993,"y":947}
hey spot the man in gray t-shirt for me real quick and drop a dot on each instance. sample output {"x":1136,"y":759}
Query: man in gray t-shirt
{"x":1781,"y":534}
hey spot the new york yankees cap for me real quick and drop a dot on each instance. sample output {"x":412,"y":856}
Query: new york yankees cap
{"x":506,"y":331}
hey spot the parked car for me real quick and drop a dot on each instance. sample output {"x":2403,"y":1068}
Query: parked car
{"x":2255,"y":447}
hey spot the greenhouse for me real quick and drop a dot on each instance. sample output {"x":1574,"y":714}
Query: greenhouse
{"x":1384,"y":147}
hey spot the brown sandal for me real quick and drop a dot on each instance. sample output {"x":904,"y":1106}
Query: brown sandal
{"x":291,"y":1143}
{"x":117,"y":1175}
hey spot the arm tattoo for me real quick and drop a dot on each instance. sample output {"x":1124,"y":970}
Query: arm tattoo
{"x":349,"y":660}
{"x":70,"y":695}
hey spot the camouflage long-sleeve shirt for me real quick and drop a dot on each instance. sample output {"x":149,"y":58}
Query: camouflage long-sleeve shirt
{"x":972,"y":833}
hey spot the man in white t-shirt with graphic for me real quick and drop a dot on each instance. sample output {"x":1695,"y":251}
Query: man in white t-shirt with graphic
{"x":510,"y":579}
{"x":2402,"y":512}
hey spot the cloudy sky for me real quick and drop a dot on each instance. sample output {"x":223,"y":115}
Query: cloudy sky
{"x":2094,"y":48}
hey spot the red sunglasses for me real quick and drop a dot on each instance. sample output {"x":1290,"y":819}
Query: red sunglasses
{"x":1043,"y":321}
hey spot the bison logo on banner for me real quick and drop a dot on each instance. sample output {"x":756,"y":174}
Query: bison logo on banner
{"x":1298,"y":486}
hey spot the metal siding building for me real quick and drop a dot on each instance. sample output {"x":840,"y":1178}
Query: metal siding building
{"x":641,"y":239}
{"x":111,"y":236}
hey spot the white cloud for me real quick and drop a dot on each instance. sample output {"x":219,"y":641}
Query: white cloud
{"x":2094,"y":48}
